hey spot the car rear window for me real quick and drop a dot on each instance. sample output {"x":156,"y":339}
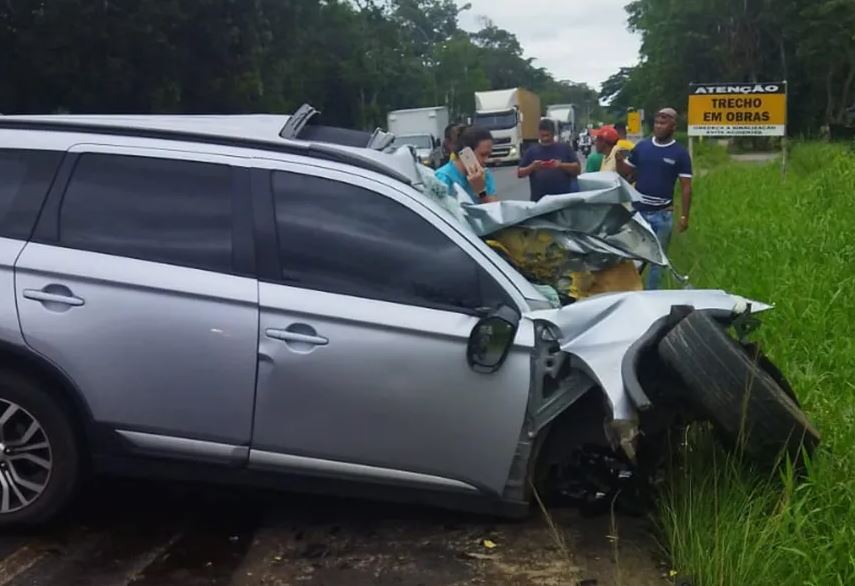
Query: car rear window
{"x":25,"y":177}
{"x":161,"y":210}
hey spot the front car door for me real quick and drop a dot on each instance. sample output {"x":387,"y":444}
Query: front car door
{"x":138,"y":285}
{"x":365,"y":318}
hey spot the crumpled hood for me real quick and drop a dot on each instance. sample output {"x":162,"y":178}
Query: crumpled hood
{"x":600,"y":330}
{"x":597,"y":224}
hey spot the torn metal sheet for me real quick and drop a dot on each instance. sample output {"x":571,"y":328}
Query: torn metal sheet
{"x":600,"y":330}
{"x":594,"y":228}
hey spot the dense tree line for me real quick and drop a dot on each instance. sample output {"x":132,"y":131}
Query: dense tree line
{"x":810,"y":43}
{"x":352,"y":60}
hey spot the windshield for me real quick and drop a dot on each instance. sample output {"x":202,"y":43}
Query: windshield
{"x":497,"y":120}
{"x":420,"y":141}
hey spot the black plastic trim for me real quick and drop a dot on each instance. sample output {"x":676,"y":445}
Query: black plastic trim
{"x":131,"y":466}
{"x":629,"y":364}
{"x":243,"y":249}
{"x":264,"y":223}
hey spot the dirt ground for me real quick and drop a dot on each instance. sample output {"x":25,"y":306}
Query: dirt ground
{"x":123,"y":533}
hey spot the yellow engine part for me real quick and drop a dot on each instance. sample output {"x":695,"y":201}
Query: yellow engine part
{"x":622,"y":276}
{"x":536,"y":254}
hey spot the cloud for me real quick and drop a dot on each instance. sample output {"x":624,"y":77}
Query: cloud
{"x":580,"y":40}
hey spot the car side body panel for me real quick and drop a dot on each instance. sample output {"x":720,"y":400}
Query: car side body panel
{"x":391,"y":388}
{"x":153,"y":347}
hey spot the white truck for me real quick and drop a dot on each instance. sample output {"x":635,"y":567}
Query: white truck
{"x":564,"y":118}
{"x":421,"y":128}
{"x":512,"y":116}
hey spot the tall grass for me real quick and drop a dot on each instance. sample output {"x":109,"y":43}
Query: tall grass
{"x":789,"y":240}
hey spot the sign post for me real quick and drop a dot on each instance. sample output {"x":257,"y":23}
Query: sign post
{"x":725,"y":110}
{"x":634,"y":131}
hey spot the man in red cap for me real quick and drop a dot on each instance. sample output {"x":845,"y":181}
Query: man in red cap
{"x":606,"y":138}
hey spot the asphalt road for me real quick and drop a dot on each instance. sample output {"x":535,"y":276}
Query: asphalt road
{"x":133,"y":533}
{"x":508,"y":186}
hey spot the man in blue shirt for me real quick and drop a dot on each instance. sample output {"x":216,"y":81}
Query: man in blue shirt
{"x":551,"y":167}
{"x":655,"y":164}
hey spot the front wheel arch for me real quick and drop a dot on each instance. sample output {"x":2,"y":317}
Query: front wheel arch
{"x":30,"y":365}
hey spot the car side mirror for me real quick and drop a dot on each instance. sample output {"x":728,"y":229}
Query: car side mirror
{"x":491,"y":340}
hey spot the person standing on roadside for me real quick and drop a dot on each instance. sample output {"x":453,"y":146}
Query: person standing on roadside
{"x":593,"y":162}
{"x":449,"y":140}
{"x":552,"y":167}
{"x":655,"y":164}
{"x":480,"y":184}
{"x":605,"y":139}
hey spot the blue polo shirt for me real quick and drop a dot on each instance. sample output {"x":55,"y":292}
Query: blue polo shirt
{"x":451,"y":176}
{"x":657,"y":167}
{"x":550,"y":181}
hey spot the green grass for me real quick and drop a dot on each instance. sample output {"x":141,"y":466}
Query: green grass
{"x":709,"y":154}
{"x":791,"y":241}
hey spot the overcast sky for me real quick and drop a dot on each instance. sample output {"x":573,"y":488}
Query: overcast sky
{"x":580,"y":40}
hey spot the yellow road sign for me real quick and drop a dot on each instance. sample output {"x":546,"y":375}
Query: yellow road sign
{"x":633,"y":122}
{"x":750,"y":109}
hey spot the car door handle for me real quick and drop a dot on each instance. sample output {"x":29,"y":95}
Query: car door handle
{"x":48,"y":297}
{"x":288,"y":336}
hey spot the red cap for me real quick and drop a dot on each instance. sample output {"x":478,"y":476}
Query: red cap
{"x":607,"y":133}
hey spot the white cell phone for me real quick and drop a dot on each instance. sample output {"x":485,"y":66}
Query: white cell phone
{"x":470,"y":161}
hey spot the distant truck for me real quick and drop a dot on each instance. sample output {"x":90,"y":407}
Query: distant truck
{"x":512,"y":116}
{"x":564,"y":117}
{"x":421,"y":128}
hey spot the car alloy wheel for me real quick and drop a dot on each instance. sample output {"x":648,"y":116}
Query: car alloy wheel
{"x":26,"y":458}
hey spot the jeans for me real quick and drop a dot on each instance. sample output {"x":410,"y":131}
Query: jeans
{"x":661,"y":222}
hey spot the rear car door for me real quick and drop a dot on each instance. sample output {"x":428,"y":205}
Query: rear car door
{"x":365,"y":318}
{"x":138,"y":284}
{"x":25,"y":176}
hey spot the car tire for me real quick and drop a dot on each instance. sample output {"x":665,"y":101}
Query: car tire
{"x":40,"y":456}
{"x":740,"y":391}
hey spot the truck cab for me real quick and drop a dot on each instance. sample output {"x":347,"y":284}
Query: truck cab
{"x":511,"y":116}
{"x":564,"y":118}
{"x":504,"y":125}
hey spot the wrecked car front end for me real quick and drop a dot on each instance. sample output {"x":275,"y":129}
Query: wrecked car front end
{"x":606,"y":335}
{"x":615,"y":367}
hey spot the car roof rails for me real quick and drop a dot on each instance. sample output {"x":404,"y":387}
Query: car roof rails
{"x":380,"y":140}
{"x":298,"y":121}
{"x":325,"y":142}
{"x":300,"y":126}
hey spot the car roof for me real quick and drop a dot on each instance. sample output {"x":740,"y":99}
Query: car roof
{"x":254,"y":130}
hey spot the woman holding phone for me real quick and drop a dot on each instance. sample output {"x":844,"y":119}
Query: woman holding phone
{"x":469,"y":168}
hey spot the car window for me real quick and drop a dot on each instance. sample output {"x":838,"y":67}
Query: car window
{"x":25,"y":177}
{"x":177,"y":212}
{"x":344,"y":239}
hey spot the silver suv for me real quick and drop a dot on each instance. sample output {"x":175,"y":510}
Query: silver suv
{"x":197,"y":296}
